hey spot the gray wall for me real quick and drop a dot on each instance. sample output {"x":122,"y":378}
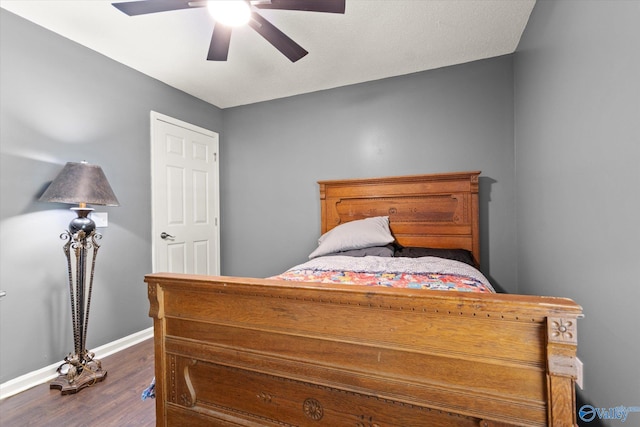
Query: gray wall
{"x":577,"y":103}
{"x":450,"y":119}
{"x":63,"y":102}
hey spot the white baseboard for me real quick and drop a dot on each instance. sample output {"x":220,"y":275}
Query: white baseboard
{"x":48,"y":373}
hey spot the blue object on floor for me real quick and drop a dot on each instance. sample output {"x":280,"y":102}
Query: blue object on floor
{"x":150,"y":392}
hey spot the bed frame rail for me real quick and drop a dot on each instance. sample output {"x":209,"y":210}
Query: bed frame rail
{"x":238,"y":351}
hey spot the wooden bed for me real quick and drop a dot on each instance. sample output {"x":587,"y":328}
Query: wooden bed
{"x":233,"y":351}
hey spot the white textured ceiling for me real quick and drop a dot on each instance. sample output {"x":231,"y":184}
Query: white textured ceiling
{"x":374,"y":39}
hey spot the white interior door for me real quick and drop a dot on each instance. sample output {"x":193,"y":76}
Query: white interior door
{"x":185,"y":197}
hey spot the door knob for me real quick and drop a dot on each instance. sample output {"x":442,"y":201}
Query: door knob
{"x":165,"y":235}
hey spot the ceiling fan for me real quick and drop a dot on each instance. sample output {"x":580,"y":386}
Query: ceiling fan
{"x":219,"y":47}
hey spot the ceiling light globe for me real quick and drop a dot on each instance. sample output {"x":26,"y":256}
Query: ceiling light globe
{"x":233,"y":13}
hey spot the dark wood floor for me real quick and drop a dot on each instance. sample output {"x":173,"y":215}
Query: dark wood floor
{"x":113,"y":402}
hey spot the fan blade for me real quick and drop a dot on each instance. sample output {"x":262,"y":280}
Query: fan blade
{"x":142,"y":7}
{"x":277,"y":38}
{"x":329,"y":6}
{"x":219,"y":47}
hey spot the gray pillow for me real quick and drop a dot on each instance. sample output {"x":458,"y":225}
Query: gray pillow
{"x":362,"y":233}
{"x":383,"y":251}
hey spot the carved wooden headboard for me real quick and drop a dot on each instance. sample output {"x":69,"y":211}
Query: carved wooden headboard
{"x":431,"y":211}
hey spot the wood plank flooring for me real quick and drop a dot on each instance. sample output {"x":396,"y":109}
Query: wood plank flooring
{"x":113,"y":402}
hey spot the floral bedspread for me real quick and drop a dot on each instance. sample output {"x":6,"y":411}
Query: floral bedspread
{"x":414,"y":273}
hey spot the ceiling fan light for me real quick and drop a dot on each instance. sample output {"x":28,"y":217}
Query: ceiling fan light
{"x":233,"y":13}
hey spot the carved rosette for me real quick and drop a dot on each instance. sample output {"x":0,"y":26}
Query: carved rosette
{"x":185,"y":400}
{"x":313,"y":409}
{"x":562,"y":330}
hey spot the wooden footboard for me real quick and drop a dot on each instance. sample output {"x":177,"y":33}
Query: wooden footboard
{"x":251,"y":352}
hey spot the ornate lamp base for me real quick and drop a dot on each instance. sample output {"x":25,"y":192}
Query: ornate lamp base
{"x":74,"y":375}
{"x":80,"y":369}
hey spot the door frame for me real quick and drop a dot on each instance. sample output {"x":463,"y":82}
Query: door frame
{"x":155,"y":236}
